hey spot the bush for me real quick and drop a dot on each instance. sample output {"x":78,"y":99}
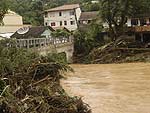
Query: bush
{"x":87,"y":39}
{"x":61,"y":33}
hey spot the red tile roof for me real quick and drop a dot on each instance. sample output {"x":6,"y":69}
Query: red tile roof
{"x":64,"y":7}
{"x":89,"y":15}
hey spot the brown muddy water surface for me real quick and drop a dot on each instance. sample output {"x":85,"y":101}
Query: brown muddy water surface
{"x":111,"y":88}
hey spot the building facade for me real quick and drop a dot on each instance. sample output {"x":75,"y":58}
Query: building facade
{"x":12,"y":22}
{"x":63,"y":16}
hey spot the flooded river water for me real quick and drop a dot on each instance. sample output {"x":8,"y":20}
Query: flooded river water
{"x":112,"y":88}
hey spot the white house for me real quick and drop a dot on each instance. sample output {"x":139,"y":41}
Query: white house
{"x":63,"y":16}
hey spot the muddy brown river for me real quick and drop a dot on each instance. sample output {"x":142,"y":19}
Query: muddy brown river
{"x":112,"y":88}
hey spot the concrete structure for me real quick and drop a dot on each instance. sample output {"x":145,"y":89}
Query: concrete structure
{"x":63,"y":16}
{"x":49,"y":45}
{"x":12,"y":22}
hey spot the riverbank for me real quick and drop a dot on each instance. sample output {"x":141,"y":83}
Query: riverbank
{"x":120,"y":51}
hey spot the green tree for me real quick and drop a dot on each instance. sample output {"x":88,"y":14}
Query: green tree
{"x":115,"y":13}
{"x":61,"y":33}
{"x":87,"y":39}
{"x":32,"y":10}
{"x":37,"y":13}
{"x":90,"y":6}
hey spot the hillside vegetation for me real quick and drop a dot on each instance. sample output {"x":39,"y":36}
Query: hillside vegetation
{"x":32,"y":10}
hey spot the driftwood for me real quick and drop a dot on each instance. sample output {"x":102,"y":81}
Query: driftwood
{"x":38,"y":82}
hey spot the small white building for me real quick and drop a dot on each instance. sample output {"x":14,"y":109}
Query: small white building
{"x":12,"y":22}
{"x":63,"y":16}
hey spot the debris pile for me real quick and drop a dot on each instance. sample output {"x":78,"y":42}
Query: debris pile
{"x":120,"y":51}
{"x":33,"y":85}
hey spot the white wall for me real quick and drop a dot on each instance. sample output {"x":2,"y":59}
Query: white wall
{"x":12,"y":22}
{"x":78,"y":13}
{"x":129,"y":22}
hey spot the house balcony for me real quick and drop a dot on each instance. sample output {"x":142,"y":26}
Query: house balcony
{"x":142,"y":28}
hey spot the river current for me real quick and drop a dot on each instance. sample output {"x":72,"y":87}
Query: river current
{"x":111,"y":88}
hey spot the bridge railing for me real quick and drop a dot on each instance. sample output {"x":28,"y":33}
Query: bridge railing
{"x":40,"y":42}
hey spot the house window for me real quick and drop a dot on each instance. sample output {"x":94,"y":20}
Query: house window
{"x":72,"y":22}
{"x":142,"y":22}
{"x":89,"y":21}
{"x":46,"y":14}
{"x":72,"y":13}
{"x":65,"y":22}
{"x":60,"y":13}
{"x":60,"y":23}
{"x":134,"y":22}
{"x":46,"y":24}
{"x":85,"y":22}
{"x":53,"y":24}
